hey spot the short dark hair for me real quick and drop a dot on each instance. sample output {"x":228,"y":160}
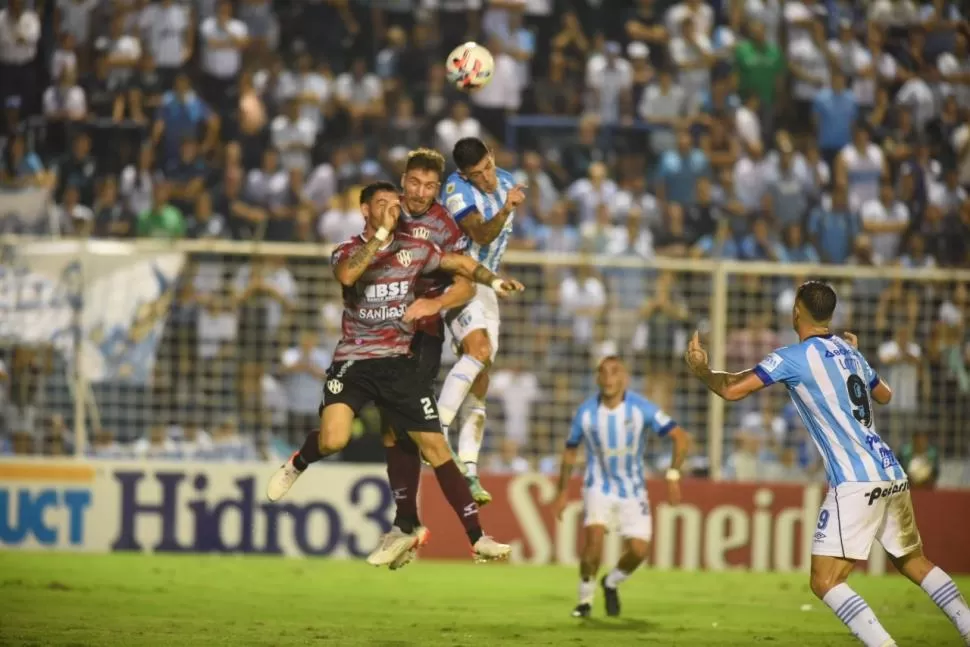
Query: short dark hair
{"x":468,"y":152}
{"x":818,"y":298}
{"x":426,"y":159}
{"x":372,"y":189}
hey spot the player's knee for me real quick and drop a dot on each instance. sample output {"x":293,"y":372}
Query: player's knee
{"x":433,"y":447}
{"x":824,"y":581}
{"x":639,"y":549}
{"x":332,"y":439}
{"x":477,"y":345}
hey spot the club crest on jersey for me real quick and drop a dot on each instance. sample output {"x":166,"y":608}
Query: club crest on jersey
{"x":404,"y":257}
{"x":421,"y":232}
{"x":335,"y":386}
{"x":450,"y":188}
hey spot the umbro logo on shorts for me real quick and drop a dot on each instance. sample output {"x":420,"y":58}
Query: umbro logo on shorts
{"x":335,"y":386}
{"x":819,"y":536}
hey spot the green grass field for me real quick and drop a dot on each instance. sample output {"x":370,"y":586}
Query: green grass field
{"x":107,"y":600}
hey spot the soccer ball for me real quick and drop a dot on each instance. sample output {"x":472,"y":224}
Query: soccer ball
{"x":469,"y":66}
{"x":919,"y":469}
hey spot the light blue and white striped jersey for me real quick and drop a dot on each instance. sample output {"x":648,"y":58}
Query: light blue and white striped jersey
{"x":830,"y":382}
{"x":615,"y":441}
{"x":461,"y":197}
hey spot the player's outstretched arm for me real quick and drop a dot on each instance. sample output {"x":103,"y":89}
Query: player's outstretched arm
{"x":460,"y":293}
{"x":483,"y":231}
{"x":466,"y":266}
{"x":730,"y":386}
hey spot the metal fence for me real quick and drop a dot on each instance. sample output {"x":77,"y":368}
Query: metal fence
{"x":156,"y":345}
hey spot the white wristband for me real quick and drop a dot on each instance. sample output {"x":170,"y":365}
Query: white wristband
{"x":498,"y":285}
{"x":382,"y":234}
{"x":673,"y":475}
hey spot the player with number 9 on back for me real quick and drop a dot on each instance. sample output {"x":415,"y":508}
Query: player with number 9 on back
{"x":832,"y":386}
{"x":379,"y":270}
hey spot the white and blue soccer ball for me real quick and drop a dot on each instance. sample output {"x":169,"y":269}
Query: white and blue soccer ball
{"x":469,"y":66}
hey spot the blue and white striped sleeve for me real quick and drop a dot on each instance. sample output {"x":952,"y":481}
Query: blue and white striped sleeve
{"x":779,"y":366}
{"x":655,"y":418}
{"x":872,"y":378}
{"x":458,"y":198}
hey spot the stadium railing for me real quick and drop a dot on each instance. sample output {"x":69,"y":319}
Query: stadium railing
{"x":132,"y":338}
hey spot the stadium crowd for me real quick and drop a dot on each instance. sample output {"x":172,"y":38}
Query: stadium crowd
{"x":804,"y":131}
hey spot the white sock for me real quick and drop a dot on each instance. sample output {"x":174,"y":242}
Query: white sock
{"x":456,"y":387}
{"x":941,"y":589}
{"x":615,"y":578}
{"x":587,"y":590}
{"x":472,"y":432}
{"x":854,"y":612}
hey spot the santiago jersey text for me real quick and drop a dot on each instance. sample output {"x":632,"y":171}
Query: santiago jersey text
{"x":830,"y":383}
{"x":615,"y":441}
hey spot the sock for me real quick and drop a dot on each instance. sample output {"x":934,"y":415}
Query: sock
{"x":456,"y":387}
{"x":946,"y":595}
{"x":309,"y":453}
{"x":587,"y":590}
{"x":472,"y":432}
{"x":456,"y":490}
{"x":403,"y":475}
{"x":854,"y":613}
{"x":615,"y":578}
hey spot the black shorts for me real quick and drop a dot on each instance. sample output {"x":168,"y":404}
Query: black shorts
{"x":426,"y":350}
{"x":394,"y":384}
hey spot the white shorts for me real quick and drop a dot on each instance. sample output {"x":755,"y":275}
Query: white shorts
{"x":481,"y":313}
{"x":631,"y":516}
{"x":854,"y":514}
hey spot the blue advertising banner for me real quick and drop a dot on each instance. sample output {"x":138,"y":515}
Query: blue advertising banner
{"x":334,"y":511}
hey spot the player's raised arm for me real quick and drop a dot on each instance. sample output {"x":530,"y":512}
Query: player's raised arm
{"x":380,"y":210}
{"x":730,"y":386}
{"x":880,"y":390}
{"x":483,"y":231}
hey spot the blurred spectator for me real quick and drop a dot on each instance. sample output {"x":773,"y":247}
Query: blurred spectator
{"x":720,"y":245}
{"x":360,"y":96}
{"x":796,"y":248}
{"x":673,"y":238}
{"x":809,"y":67}
{"x":71,"y":217}
{"x":304,"y":370}
{"x":508,"y":460}
{"x":921,"y":461}
{"x":204,"y":223}
{"x":79,"y":169}
{"x":556,"y":235}
{"x":582,"y":300}
{"x":833,"y":226}
{"x":902,"y":366}
{"x":786,"y":194}
{"x":761,"y":244}
{"x":834,"y":111}
{"x":162,"y":220}
{"x":20,"y":32}
{"x":591,"y":192}
{"x":609,"y":82}
{"x":111,"y":220}
{"x":182,"y":115}
{"x":663,"y":106}
{"x":885,"y":220}
{"x":293,"y":136}
{"x":65,"y":105}
{"x":169,"y":34}
{"x":224,"y":39}
{"x":22,"y":168}
{"x":458,"y":125}
{"x":662,"y":337}
{"x":186,"y":175}
{"x":691,"y":52}
{"x":760,"y":68}
{"x":518,"y":390}
{"x":680,"y":169}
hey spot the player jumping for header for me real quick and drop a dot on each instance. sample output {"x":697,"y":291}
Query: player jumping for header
{"x":482,"y":199}
{"x":832,"y":386}
{"x":612,"y":427}
{"x":372,"y":363}
{"x":424,"y":218}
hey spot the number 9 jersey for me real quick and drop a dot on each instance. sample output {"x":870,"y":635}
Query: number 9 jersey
{"x":829,"y":382}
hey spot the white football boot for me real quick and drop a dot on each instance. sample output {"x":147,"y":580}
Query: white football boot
{"x":394,"y":545}
{"x":487,"y":549}
{"x":423,"y":535}
{"x":282,"y":480}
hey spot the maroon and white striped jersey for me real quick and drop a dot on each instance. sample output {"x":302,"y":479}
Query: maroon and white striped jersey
{"x":374,"y":306}
{"x":436,"y":225}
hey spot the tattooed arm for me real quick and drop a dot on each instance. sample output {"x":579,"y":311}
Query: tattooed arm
{"x":466,"y":266}
{"x":350,"y":267}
